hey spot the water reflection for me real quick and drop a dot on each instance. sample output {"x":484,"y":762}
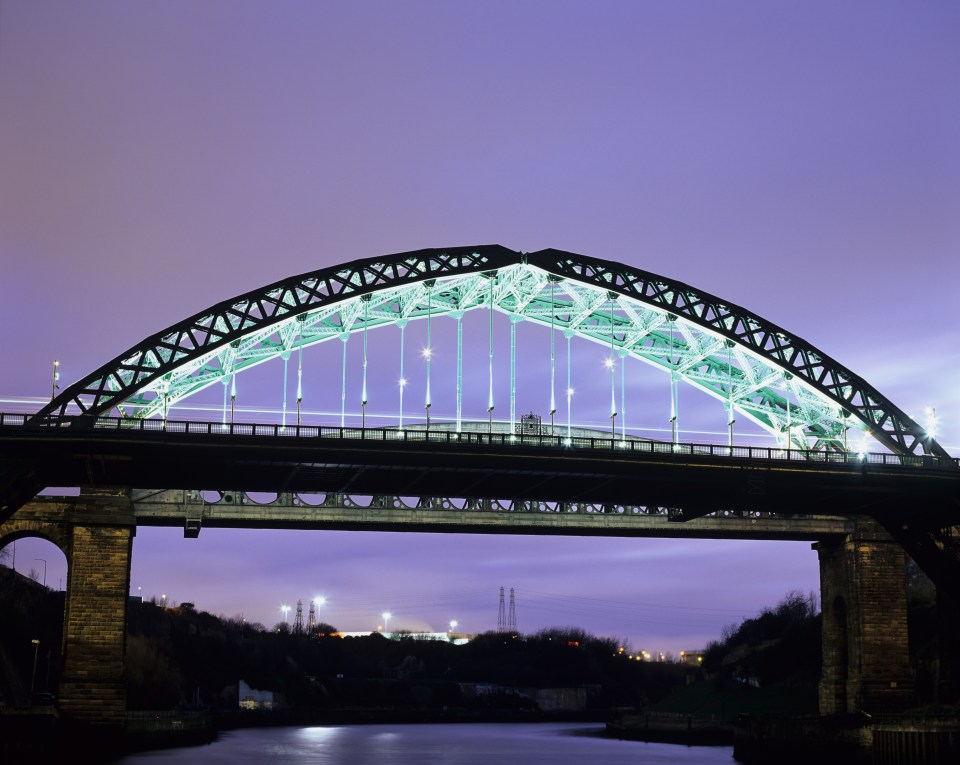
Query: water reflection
{"x":474,"y":744}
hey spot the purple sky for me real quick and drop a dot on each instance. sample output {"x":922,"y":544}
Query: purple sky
{"x":801,"y":160}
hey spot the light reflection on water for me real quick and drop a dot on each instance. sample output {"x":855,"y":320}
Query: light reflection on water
{"x":451,"y":744}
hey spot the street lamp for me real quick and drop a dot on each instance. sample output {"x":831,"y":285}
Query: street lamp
{"x":386,"y":615}
{"x":286,"y":610}
{"x":163,"y":600}
{"x":56,"y":377}
{"x":453,"y":624}
{"x":44,"y":570}
{"x":33,"y":677}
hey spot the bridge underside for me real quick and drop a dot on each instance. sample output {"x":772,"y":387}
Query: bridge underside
{"x":195,"y":510}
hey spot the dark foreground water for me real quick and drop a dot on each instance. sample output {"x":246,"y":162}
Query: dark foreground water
{"x":467,"y":744}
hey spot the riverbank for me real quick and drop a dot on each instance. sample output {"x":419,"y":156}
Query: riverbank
{"x":855,"y":739}
{"x":29,"y":735}
{"x":672,"y":728}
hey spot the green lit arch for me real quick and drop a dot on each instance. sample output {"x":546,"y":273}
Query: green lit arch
{"x":771,"y":376}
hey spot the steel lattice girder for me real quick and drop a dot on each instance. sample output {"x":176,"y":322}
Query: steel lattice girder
{"x":776,"y":379}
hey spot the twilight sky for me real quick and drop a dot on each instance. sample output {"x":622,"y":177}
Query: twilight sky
{"x":799,"y":159}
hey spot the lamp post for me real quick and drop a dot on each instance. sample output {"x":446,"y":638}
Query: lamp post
{"x":453,"y":625}
{"x":53,"y":384}
{"x":44,"y":570}
{"x":33,"y":676}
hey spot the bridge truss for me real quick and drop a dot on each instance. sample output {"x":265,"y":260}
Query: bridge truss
{"x":757,"y":369}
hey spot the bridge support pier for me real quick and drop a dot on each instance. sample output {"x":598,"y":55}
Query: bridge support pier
{"x":866,"y":660}
{"x":92,"y":687}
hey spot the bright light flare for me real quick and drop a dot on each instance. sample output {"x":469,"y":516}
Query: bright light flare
{"x":608,"y":362}
{"x":426,"y":353}
{"x":402,"y":382}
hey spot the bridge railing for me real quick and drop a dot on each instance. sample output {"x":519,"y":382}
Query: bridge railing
{"x":475,"y":438}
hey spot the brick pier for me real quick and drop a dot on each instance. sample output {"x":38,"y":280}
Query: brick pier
{"x":866,"y":661}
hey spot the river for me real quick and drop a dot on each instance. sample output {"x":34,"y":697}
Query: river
{"x":449,"y":744}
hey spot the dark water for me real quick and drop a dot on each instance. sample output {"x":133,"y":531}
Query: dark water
{"x":474,"y":744}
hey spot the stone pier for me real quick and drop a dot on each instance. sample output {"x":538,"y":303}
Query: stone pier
{"x":96,"y":535}
{"x":866,"y":661}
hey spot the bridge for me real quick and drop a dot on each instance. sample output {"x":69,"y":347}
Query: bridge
{"x":861,"y":499}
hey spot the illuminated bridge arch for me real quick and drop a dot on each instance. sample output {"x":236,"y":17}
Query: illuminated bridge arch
{"x":776,"y":379}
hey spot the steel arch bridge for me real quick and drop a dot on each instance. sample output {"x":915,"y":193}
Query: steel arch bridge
{"x":776,"y":379}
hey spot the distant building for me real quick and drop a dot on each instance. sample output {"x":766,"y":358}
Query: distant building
{"x":251,"y":698}
{"x":457,"y":638}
